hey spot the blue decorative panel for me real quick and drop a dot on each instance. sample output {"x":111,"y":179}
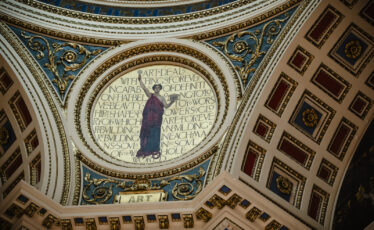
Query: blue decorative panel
{"x":312,"y":116}
{"x":7,"y":135}
{"x":225,"y":190}
{"x":264,"y":216}
{"x":175,"y":216}
{"x":353,"y":50}
{"x":42,"y":211}
{"x":136,"y":12}
{"x":103,"y":220}
{"x":151,"y":218}
{"x":209,"y":204}
{"x":307,"y":118}
{"x":127,"y":219}
{"x":23,"y":199}
{"x":286,"y":182}
{"x":274,"y":186}
{"x":78,"y":221}
{"x":60,"y":60}
{"x":246,"y":49}
{"x":245,"y":203}
{"x":99,"y":189}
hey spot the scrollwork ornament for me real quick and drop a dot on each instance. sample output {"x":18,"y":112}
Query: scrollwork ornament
{"x":62,"y":59}
{"x":246,"y":47}
{"x":100,"y":194}
{"x":188,"y":190}
{"x":100,"y":191}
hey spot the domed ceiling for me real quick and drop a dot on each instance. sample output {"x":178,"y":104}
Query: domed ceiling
{"x":234,"y":114}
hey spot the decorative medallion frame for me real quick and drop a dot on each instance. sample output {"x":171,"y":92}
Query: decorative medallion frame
{"x":192,"y":55}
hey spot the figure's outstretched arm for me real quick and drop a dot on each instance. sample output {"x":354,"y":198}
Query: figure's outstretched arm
{"x":173,"y":99}
{"x":167,"y":105}
{"x":146,"y":91}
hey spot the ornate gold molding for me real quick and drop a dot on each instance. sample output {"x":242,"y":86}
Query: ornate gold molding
{"x":99,"y":191}
{"x":140,"y":20}
{"x":34,"y":68}
{"x":58,"y":34}
{"x":149,"y":48}
{"x":149,"y":61}
{"x":250,"y":89}
{"x":152,"y":175}
{"x":246,"y":24}
{"x":137,"y":21}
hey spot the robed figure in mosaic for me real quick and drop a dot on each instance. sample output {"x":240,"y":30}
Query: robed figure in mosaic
{"x":150,"y":132}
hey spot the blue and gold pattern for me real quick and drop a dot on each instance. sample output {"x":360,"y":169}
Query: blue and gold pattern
{"x":136,"y":12}
{"x":246,"y":49}
{"x":286,"y":182}
{"x":307,"y":118}
{"x":60,"y":60}
{"x":353,"y":50}
{"x":99,"y":189}
{"x":312,"y":116}
{"x":281,"y":186}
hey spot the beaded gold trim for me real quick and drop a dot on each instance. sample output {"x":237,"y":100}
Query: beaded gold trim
{"x":34,"y":68}
{"x":145,"y":49}
{"x":136,"y":21}
{"x":250,"y":89}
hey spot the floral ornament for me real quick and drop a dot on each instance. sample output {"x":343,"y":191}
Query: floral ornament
{"x":310,"y":118}
{"x":247,"y":47}
{"x":240,"y":46}
{"x":62,"y":59}
{"x":284,"y":185}
{"x":353,"y":49}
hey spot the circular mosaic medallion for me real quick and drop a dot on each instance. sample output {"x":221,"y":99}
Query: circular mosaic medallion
{"x":155,"y":118}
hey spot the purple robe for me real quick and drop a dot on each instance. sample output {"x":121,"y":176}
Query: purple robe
{"x":150,"y":132}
